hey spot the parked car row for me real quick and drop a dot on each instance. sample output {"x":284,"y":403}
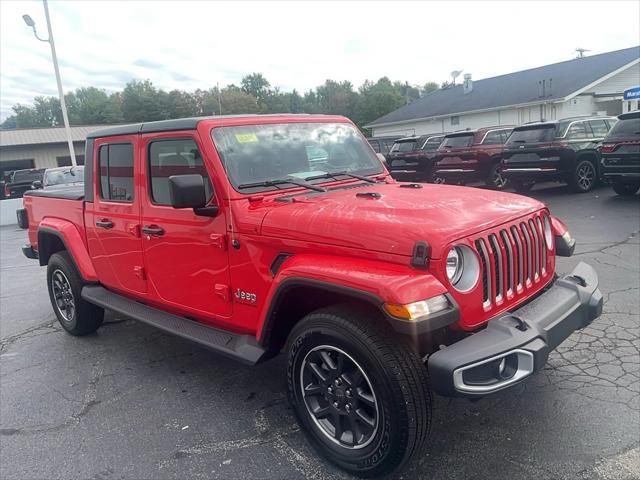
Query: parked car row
{"x":18,"y":182}
{"x":578,"y":151}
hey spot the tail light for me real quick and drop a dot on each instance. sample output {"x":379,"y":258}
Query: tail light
{"x":7,"y":191}
{"x":608,"y":147}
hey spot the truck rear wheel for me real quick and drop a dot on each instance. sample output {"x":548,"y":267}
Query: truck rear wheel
{"x":77,"y":316}
{"x":361,"y":394}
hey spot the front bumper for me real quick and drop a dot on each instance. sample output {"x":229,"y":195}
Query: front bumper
{"x":517,"y":344}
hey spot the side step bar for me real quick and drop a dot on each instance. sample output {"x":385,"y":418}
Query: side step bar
{"x":239,"y":347}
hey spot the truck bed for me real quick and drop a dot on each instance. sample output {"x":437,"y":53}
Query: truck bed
{"x":66,"y":192}
{"x":64,"y":202}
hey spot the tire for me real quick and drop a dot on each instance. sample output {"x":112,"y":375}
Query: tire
{"x":390,"y":381}
{"x":523,"y":187}
{"x":496,"y":179}
{"x":626,"y":189}
{"x":76,"y":315}
{"x":584,"y":176}
{"x":437,"y":179}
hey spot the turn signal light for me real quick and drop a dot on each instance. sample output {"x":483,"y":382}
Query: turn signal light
{"x":418,"y":310}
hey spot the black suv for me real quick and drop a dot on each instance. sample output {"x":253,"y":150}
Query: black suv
{"x":382,"y":144}
{"x":20,"y":181}
{"x":620,"y":150}
{"x":411,"y":158}
{"x":564,"y":151}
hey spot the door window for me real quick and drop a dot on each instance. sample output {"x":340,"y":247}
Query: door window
{"x":115,"y":162}
{"x":577,"y":130}
{"x":494,"y":138}
{"x":174,"y":157}
{"x":599,"y":128}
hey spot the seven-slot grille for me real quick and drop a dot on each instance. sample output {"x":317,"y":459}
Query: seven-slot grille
{"x":513,"y":258}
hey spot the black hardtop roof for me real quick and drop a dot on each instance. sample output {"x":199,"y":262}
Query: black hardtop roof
{"x":176,"y":124}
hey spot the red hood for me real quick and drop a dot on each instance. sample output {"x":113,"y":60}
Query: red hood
{"x":438,"y":214}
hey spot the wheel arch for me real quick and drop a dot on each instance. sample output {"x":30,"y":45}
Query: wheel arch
{"x":57,"y":236}
{"x":296,"y":297}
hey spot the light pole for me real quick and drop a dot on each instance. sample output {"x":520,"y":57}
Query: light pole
{"x":30,"y":23}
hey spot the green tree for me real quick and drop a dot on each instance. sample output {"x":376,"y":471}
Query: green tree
{"x":92,"y":106}
{"x":430,"y":87}
{"x":142,"y":102}
{"x":256,"y":85}
{"x":182,"y":104}
{"x":337,"y":98}
{"x":377,"y":99}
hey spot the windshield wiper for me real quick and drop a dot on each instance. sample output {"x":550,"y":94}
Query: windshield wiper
{"x":280,"y":181}
{"x":337,"y":174}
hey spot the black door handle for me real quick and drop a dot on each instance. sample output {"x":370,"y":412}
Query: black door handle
{"x":104,"y":223}
{"x":153,"y":230}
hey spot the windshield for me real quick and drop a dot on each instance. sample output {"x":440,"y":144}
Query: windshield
{"x":625,"y":129}
{"x":458,"y":141}
{"x":263,"y":153}
{"x":26,"y":176}
{"x":406,"y":146}
{"x":532,"y":135}
{"x":60,"y":177}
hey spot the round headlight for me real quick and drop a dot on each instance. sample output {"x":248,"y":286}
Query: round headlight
{"x":548,"y":233}
{"x":454,"y":265}
{"x":463,"y":268}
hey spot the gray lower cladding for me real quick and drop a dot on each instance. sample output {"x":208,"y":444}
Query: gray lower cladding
{"x":528,"y":334}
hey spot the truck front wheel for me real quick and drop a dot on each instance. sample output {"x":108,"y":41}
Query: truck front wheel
{"x":360,"y":393}
{"x":77,"y":316}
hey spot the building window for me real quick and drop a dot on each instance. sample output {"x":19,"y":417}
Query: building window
{"x":116,"y":172}
{"x":65,"y":161}
{"x":174,"y":157}
{"x":455,"y":120}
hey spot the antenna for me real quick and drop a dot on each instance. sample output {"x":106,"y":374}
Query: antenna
{"x":581,"y":51}
{"x":455,"y":74}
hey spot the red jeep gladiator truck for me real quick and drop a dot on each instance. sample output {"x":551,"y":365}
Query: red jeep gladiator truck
{"x":253,"y":235}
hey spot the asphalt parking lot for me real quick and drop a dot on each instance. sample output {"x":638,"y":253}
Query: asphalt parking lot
{"x":133,"y":403}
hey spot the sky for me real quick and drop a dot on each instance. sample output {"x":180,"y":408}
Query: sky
{"x":189,"y":45}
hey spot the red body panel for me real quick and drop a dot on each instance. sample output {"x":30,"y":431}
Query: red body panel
{"x":333,"y":237}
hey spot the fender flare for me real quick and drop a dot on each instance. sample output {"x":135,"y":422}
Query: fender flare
{"x":68,"y":234}
{"x":371,"y":281}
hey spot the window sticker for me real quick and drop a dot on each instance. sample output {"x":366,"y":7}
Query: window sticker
{"x":246,"y":137}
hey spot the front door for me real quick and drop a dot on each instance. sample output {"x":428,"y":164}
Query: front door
{"x":185,"y":254}
{"x":113,"y":233}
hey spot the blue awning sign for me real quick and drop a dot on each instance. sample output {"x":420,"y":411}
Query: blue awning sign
{"x":631,"y":94}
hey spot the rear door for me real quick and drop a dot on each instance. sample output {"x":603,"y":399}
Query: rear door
{"x":185,"y":254}
{"x":113,"y":233}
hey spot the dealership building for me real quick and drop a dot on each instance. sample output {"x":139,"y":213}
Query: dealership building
{"x":22,"y":148}
{"x":591,"y":85}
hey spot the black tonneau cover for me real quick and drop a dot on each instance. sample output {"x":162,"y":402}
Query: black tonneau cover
{"x":66,"y":192}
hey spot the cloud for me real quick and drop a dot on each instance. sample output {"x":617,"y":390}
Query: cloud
{"x":191,"y":45}
{"x":146,"y":63}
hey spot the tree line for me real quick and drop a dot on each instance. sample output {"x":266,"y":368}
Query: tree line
{"x":142,"y":101}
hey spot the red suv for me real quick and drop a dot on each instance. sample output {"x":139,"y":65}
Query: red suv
{"x":472,"y":155}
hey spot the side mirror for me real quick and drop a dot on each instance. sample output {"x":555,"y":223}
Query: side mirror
{"x":36,"y":184}
{"x":188,"y":191}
